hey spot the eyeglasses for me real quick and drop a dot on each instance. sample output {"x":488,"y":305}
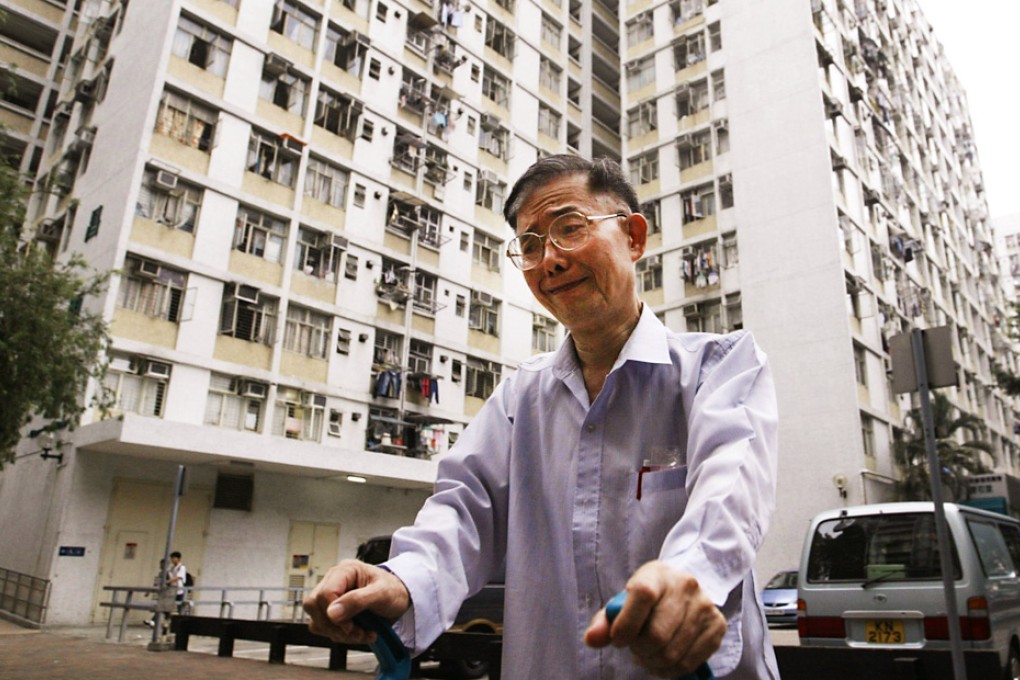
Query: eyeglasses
{"x":567,"y":232}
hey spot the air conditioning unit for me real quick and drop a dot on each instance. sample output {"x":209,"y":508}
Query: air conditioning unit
{"x":245,"y":293}
{"x":254,"y":389}
{"x":339,"y":242}
{"x":292,"y":143}
{"x":157,"y":369}
{"x":148,"y":268}
{"x":833,"y":109}
{"x":490,"y":121}
{"x":275,"y":65}
{"x":538,"y":321}
{"x":838,"y":162}
{"x":356,"y":38}
{"x":87,"y":135}
{"x":166,"y":180}
{"x":334,"y":428}
{"x":487,"y":176}
{"x":481,"y":298}
{"x":721,"y":124}
{"x":309,"y":399}
{"x":85,"y":91}
{"x":692,"y":311}
{"x":654,"y":260}
{"x":726,"y":179}
{"x":49,"y":231}
{"x":63,"y":109}
{"x":684,"y":141}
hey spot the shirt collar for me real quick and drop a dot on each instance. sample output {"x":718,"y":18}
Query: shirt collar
{"x":647,"y":343}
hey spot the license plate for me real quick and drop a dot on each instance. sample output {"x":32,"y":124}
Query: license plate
{"x":884,"y":632}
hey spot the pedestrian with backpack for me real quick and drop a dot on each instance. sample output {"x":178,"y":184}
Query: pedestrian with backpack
{"x":177,"y":575}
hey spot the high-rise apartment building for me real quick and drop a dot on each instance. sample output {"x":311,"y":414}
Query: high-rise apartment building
{"x":302,"y":200}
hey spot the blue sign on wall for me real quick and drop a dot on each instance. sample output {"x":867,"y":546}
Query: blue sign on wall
{"x":72,"y":551}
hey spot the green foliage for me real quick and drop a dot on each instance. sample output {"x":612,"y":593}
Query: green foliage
{"x":1005,"y":379}
{"x":49,"y":347}
{"x":957,"y":460}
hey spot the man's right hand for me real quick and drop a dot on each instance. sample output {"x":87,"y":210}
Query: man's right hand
{"x":351,"y":587}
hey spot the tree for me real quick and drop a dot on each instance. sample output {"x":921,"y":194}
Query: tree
{"x":957,"y":460}
{"x":49,"y":346}
{"x":1004,"y":378}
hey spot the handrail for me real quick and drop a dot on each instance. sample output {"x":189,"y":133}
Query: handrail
{"x":229,"y":597}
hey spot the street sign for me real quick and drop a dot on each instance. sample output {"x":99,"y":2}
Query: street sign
{"x":938,"y":354}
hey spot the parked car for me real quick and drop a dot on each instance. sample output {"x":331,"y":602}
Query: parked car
{"x":870,"y":577}
{"x":480,"y":613}
{"x":780,"y":597}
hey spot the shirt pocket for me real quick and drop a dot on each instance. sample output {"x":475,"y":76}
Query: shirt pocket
{"x":663,"y":501}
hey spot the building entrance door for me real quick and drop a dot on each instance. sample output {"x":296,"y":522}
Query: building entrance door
{"x":311,"y":550}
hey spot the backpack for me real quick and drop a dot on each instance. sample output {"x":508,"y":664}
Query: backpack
{"x":189,"y":580}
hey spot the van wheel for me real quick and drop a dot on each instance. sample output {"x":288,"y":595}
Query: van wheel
{"x":1013,"y":665}
{"x":464,"y":670}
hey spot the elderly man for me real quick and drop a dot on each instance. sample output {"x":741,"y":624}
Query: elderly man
{"x":633,"y":458}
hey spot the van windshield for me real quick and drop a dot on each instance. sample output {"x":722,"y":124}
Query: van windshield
{"x":877,"y":548}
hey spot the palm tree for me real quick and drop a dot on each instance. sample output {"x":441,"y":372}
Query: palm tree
{"x":958,"y":460}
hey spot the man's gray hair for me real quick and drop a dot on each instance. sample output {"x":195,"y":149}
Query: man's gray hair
{"x":605,"y":176}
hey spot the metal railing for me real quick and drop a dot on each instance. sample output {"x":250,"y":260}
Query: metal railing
{"x":258,"y":603}
{"x":24,"y":596}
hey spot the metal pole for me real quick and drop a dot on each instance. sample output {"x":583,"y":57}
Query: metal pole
{"x":157,"y":629}
{"x":941,"y":528}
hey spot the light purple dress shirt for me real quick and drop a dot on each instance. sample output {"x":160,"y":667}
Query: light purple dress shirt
{"x":547,"y":482}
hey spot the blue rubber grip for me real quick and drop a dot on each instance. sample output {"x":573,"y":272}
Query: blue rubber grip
{"x":613,"y":609}
{"x":394,"y":661}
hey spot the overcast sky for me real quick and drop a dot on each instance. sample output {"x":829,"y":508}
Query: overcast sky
{"x":981,"y":40}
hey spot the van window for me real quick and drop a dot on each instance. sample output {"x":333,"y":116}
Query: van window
{"x":1011,"y":534}
{"x":991,"y":548}
{"x":887,"y":547}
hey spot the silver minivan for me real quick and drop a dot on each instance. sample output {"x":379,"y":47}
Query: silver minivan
{"x":870,"y":578}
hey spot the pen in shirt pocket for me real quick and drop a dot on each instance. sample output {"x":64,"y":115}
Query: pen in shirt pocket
{"x":661,"y":458}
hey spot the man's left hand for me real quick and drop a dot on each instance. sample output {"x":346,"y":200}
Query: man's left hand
{"x":668,"y":622}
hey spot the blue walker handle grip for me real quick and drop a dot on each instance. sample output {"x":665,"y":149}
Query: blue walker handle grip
{"x":394,"y":661}
{"x":613,"y":609}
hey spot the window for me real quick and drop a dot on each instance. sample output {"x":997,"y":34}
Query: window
{"x":496,"y":87}
{"x":235,"y":403}
{"x":639,"y":28}
{"x":481,"y":378}
{"x":683,"y":10}
{"x":698,"y":203}
{"x":704,"y":317}
{"x":486,"y":251}
{"x":165,"y":199}
{"x":351,"y":267}
{"x":694,"y":149}
{"x":548,"y":121}
{"x":499,"y":38}
{"x":284,"y":89}
{"x":326,"y":183}
{"x":346,"y":49}
{"x":715,"y":36}
{"x":549,"y":74}
{"x":642,"y":119}
{"x":343,"y":341}
{"x":722,"y":136}
{"x":726,"y":192}
{"x":551,"y":31}
{"x":868,"y":435}
{"x":270,"y":159}
{"x":367,"y":130}
{"x":456,"y":370}
{"x":306,"y":332}
{"x":317,"y":253}
{"x":388,"y":348}
{"x":359,"y":195}
{"x":299,"y":415}
{"x":692,"y":98}
{"x":374,"y":69}
{"x":137,"y":385}
{"x":247,"y":314}
{"x":494,"y":138}
{"x":644,"y":168}
{"x":640,"y":73}
{"x":425,"y":292}
{"x":295,"y":22}
{"x":653,"y":215}
{"x":861,"y":365}
{"x":688,"y":50}
{"x":649,"y":273}
{"x":460,"y":306}
{"x":718,"y":85}
{"x":151,"y":289}
{"x":337,"y":113}
{"x":476,"y":73}
{"x":484,"y":313}
{"x":419,"y":359}
{"x":259,"y":234}
{"x":380,"y":12}
{"x":201,"y":46}
{"x":489,"y":191}
{"x":543,"y":334}
{"x":186,"y":121}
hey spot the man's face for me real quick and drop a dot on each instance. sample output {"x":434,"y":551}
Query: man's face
{"x":591,"y":287}
{"x":175,"y":560}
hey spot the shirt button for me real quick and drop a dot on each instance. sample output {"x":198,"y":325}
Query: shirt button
{"x":590,"y":428}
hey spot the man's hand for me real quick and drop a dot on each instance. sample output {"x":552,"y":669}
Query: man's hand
{"x":668,"y":622}
{"x":351,"y":587}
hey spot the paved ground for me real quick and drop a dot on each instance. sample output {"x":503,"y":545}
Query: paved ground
{"x":85,"y":654}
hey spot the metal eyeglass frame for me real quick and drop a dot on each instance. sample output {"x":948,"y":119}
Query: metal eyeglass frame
{"x":514,"y":244}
